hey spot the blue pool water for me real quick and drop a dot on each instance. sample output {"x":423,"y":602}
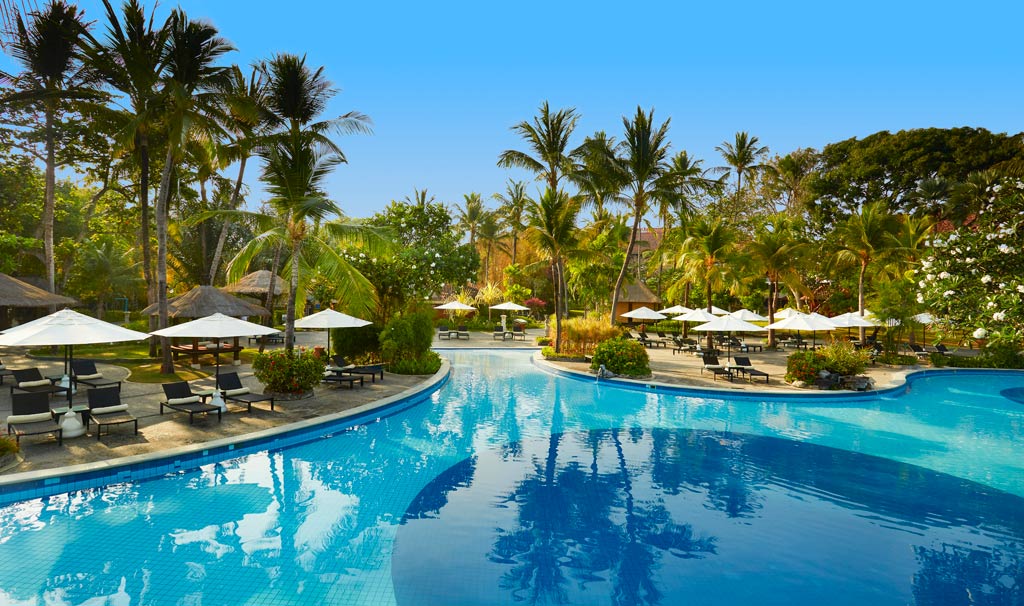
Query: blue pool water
{"x":514,"y":486}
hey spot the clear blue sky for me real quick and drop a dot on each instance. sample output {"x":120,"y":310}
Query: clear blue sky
{"x":444,"y":81}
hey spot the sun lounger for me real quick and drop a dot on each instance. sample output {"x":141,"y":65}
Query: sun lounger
{"x":106,"y":409}
{"x":712,"y":365}
{"x":444,"y":333}
{"x":371,"y":370}
{"x":4,"y":372}
{"x":232,"y":390}
{"x":30,"y":380}
{"x":84,"y":372}
{"x":518,"y":332}
{"x":649,"y":342}
{"x":742,"y":363}
{"x":179,"y":397}
{"x":462,"y":332}
{"x":918,"y":351}
{"x":500,"y":333}
{"x":340,"y":378}
{"x":30,"y":416}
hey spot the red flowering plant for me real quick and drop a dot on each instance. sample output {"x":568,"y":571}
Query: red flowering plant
{"x":284,"y":372}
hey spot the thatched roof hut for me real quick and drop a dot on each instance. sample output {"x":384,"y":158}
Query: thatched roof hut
{"x":257,"y":283}
{"x":635,"y":295}
{"x":15,"y":293}
{"x":202,"y":301}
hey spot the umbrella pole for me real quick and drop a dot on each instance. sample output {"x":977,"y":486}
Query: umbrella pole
{"x":71,"y":425}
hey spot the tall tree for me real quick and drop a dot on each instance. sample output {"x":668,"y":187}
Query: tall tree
{"x":132,"y":59}
{"x":471,"y":214}
{"x":189,"y":102}
{"x":246,"y":118}
{"x":743,"y":155}
{"x":552,"y":230}
{"x":512,"y":210}
{"x":865,"y":237}
{"x":707,"y":256}
{"x":774,"y":253}
{"x":53,"y":78}
{"x":547,"y":138}
{"x":641,"y":165}
{"x":490,"y":236}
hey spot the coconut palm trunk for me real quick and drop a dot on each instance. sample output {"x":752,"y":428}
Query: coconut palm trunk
{"x":625,"y":264}
{"x":289,"y":326}
{"x":862,"y":331}
{"x":222,"y":239}
{"x":166,"y":363}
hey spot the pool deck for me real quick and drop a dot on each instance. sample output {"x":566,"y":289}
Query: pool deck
{"x":162,"y":433}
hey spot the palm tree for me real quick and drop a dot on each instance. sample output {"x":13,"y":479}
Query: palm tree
{"x":547,"y":138}
{"x":642,"y":167}
{"x":132,"y":60}
{"x":774,"y":253}
{"x":512,"y":209}
{"x":471,"y":214}
{"x":743,"y":155}
{"x":419,"y":199}
{"x":246,"y":120}
{"x":864,"y":238}
{"x":53,"y":79}
{"x":789,"y":175}
{"x":490,"y":236}
{"x":190,"y":99}
{"x":706,"y":256}
{"x":552,"y":229}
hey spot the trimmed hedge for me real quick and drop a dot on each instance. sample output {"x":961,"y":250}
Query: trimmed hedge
{"x":623,"y":357}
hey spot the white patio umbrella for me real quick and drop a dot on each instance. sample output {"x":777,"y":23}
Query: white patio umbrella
{"x":455,"y":306}
{"x":748,"y":316}
{"x":785,"y":313}
{"x":644,"y":313}
{"x":216,"y":326}
{"x":68,"y":328}
{"x":510,"y":306}
{"x":851,"y":320}
{"x":697,"y":315}
{"x":729,"y":324}
{"x":801,"y":321}
{"x":675,"y":309}
{"x":328,"y":319}
{"x":924,"y":319}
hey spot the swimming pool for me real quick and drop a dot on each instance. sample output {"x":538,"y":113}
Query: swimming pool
{"x":512,"y":485}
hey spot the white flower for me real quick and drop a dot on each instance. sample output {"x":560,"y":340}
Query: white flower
{"x":944,"y":275}
{"x":999,"y":316}
{"x":990,"y":304}
{"x":986,"y":279}
{"x":1002,"y":285}
{"x":926,"y":264}
{"x":433,"y":264}
{"x":969,"y":260}
{"x":930,"y":277}
{"x":948,"y":293}
{"x":1005,"y":249}
{"x":920,"y":298}
{"x":921,"y":283}
{"x":362,"y":256}
{"x":1020,"y":288}
{"x":980,"y":333}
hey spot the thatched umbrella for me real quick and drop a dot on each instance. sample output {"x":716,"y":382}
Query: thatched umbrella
{"x":256,"y":283}
{"x":15,"y":293}
{"x":204,"y":301}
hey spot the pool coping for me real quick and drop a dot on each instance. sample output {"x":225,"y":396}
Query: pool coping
{"x":905,"y":379}
{"x":45,"y":482}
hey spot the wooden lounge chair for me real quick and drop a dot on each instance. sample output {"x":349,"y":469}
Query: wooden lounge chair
{"x":30,"y":416}
{"x":179,"y":397}
{"x":747,"y":369}
{"x":918,"y":351}
{"x":106,"y":409}
{"x":712,"y":365}
{"x":444,"y":333}
{"x":231,"y":388}
{"x":30,"y":380}
{"x":498,"y":333}
{"x":518,"y":332}
{"x":462,"y":332}
{"x":372,"y":370}
{"x":84,"y":372}
{"x":649,"y":342}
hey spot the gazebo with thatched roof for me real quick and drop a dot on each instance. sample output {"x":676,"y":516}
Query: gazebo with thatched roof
{"x":203,"y":301}
{"x":635,"y":295}
{"x":256,"y":284}
{"x":15,"y":293}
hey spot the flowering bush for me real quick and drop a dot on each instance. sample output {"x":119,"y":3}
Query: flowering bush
{"x":803,"y":366}
{"x":837,"y":357}
{"x":975,"y":276}
{"x":622,"y":357}
{"x":285,"y":372}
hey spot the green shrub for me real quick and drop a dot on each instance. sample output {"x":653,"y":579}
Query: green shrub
{"x":803,"y":366}
{"x":8,"y":446}
{"x":544,"y":341}
{"x":405,"y":343}
{"x":427,"y":364}
{"x":549,"y":353}
{"x":843,"y":358}
{"x":622,"y":357}
{"x":360,"y":345}
{"x":895,"y":359}
{"x":284,"y":372}
{"x":981,"y":361}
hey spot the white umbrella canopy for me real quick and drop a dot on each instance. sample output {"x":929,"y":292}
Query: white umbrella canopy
{"x":328,"y":319}
{"x":851,"y":319}
{"x":675,"y":309}
{"x":749,"y":316}
{"x":697,"y":315}
{"x":68,"y":327}
{"x":510,"y":306}
{"x":718,"y":311}
{"x":455,"y":306}
{"x":801,"y":321}
{"x":924,"y":318}
{"x":643,"y":313}
{"x":729,"y":324}
{"x":785,"y":313}
{"x":215,"y":326}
